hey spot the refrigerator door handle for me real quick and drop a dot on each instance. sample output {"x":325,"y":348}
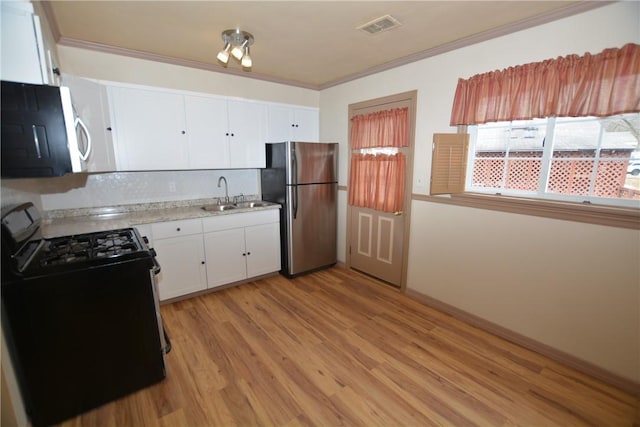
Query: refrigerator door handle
{"x":294,"y":180}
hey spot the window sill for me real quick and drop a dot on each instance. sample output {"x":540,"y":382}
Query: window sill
{"x":591,"y":214}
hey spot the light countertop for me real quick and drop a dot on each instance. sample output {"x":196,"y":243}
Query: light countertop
{"x":76,"y":221}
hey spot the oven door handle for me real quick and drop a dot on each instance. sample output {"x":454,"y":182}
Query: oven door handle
{"x":156,"y":266}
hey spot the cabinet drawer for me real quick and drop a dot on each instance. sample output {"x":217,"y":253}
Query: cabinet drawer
{"x":236,"y":220}
{"x":185,"y":227}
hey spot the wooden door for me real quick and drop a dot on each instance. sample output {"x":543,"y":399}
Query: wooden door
{"x":377,"y":240}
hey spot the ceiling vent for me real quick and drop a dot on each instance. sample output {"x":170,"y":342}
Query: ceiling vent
{"x":378,"y":25}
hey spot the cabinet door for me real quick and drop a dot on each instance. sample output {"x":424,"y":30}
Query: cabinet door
{"x":248,"y":127}
{"x":149,"y":129}
{"x":22,"y":47}
{"x":226,"y":257}
{"x":280,"y":123}
{"x":306,"y":125}
{"x":292,"y":124}
{"x":207,"y":132}
{"x":90,"y":102}
{"x":182,"y":265}
{"x":263,"y":249}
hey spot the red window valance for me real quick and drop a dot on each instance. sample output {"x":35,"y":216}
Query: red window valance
{"x":572,"y":86}
{"x":388,"y":128}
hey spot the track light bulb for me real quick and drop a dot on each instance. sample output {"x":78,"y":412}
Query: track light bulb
{"x":246,"y":59}
{"x":238,"y":51}
{"x":223,"y":55}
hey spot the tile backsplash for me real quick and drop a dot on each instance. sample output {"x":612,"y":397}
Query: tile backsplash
{"x":121,"y":188}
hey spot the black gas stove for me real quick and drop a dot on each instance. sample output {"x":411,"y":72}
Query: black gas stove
{"x":28,"y":254}
{"x":82,"y":251}
{"x":80,"y":314}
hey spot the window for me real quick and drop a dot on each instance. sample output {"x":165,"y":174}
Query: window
{"x":583,"y":159}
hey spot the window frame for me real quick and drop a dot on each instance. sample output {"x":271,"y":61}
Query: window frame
{"x":540,"y":194}
{"x":605,"y":215}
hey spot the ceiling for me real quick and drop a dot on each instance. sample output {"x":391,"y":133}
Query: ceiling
{"x":314,"y":44}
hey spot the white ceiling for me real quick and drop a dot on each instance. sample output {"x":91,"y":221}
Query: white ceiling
{"x":312,"y":44}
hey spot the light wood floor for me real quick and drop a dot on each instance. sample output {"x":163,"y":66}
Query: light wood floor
{"x":335,"y":348}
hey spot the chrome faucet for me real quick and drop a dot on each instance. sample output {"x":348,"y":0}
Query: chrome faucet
{"x":226,"y":188}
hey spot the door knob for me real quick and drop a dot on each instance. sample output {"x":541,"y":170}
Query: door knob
{"x":398,"y":213}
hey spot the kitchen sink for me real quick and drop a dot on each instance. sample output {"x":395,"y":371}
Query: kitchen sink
{"x":219,"y":208}
{"x":257,"y":204}
{"x":239,"y":205}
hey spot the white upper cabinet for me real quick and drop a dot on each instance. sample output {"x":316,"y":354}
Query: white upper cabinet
{"x":289,"y":123}
{"x":225,"y":133}
{"x":248,"y":134}
{"x":149,"y":129}
{"x":24,"y":55}
{"x":155,"y":129}
{"x":207,"y":126}
{"x":90,"y":102}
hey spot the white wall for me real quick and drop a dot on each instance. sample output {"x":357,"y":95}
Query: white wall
{"x":572,"y":286}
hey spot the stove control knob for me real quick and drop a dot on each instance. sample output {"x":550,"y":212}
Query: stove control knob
{"x":146,"y":239}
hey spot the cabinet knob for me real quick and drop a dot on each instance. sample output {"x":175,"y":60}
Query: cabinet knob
{"x":202,"y":262}
{"x":244,"y":254}
{"x":183,"y":132}
{"x":178,"y":229}
{"x":233,"y":134}
{"x":109,"y":128}
{"x":248,"y":253}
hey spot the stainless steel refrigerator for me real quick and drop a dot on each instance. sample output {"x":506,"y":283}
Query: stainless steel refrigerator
{"x":302,"y":177}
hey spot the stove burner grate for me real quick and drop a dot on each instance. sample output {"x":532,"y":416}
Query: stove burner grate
{"x":101,"y":245}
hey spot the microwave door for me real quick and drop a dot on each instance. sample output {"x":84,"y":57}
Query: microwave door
{"x":72,"y":123}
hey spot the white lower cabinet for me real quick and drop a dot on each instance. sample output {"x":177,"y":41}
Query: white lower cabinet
{"x":241,"y":246}
{"x":180,"y":252}
{"x":197,"y":254}
{"x":263,"y":249}
{"x":226,"y":258}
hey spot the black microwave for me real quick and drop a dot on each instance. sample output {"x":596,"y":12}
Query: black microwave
{"x":40,"y":132}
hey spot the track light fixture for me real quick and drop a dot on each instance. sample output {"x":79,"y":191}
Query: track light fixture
{"x":236,"y":43}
